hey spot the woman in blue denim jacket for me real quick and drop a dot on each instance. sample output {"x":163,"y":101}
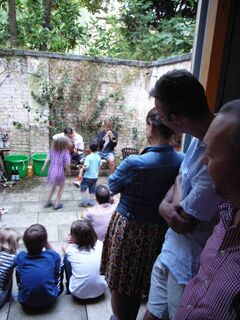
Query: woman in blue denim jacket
{"x":136,"y":230}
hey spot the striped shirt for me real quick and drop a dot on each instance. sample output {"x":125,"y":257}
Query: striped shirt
{"x":6,"y":268}
{"x":214,"y":293}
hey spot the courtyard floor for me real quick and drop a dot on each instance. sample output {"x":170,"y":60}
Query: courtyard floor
{"x":25,"y":203}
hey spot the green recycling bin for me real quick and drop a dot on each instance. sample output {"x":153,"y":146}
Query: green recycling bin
{"x":38,"y":162}
{"x":17,"y":160}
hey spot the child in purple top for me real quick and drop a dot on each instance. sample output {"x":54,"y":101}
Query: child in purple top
{"x":59,"y":158}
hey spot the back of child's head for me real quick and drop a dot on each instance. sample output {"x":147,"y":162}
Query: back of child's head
{"x":103,"y":194}
{"x":9,"y":239}
{"x":93,"y":146}
{"x":83,"y":234}
{"x":60,"y":144}
{"x":35,"y":239}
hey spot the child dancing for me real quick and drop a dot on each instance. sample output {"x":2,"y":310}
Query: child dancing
{"x":9,"y":239}
{"x":90,"y":168}
{"x":39,"y":272}
{"x":60,"y":159}
{"x":82,"y":262}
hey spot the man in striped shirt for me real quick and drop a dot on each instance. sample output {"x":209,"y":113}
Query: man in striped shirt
{"x":214,"y":293}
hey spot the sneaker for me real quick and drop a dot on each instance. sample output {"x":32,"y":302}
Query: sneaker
{"x":77,"y":183}
{"x":83,"y":204}
{"x":91,"y":203}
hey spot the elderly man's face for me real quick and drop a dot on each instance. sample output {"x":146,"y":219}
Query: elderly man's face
{"x":219,"y":156}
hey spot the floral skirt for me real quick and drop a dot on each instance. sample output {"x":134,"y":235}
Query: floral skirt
{"x":129,"y":252}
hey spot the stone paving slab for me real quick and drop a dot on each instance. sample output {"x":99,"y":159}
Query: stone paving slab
{"x":22,"y":197}
{"x":18,"y":220}
{"x":13,"y":207}
{"x":65,"y":308}
{"x":67,"y":195}
{"x":4,"y":311}
{"x":63,"y":232}
{"x":57,"y":217}
{"x":101,"y":309}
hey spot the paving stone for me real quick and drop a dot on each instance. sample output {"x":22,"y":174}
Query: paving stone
{"x":101,"y":309}
{"x":20,"y":197}
{"x":66,"y":196}
{"x":4,"y":311}
{"x":76,"y":195}
{"x":63,"y":232}
{"x":13,"y":207}
{"x":65,"y":308}
{"x":2,"y":196}
{"x":30,"y":206}
{"x":57,"y":217}
{"x":17,"y":220}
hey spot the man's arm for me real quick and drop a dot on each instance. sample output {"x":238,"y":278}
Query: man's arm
{"x":171,"y":211}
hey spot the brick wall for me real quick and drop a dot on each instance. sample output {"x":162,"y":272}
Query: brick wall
{"x":79,"y":84}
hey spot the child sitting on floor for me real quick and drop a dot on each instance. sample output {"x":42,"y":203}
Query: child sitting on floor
{"x":82,"y":262}
{"x":91,"y":168}
{"x":39,"y":272}
{"x":9,"y":239}
{"x":60,"y":159}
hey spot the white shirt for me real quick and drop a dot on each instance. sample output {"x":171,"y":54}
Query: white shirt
{"x":76,"y":139}
{"x":86,"y":282}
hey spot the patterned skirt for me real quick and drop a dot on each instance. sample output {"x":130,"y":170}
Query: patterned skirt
{"x":129,"y":252}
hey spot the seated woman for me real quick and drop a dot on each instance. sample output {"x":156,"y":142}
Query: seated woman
{"x":136,"y":230}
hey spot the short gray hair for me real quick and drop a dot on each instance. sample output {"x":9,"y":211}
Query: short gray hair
{"x":233,"y":108}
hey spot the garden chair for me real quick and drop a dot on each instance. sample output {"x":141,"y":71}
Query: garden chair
{"x":128,"y":151}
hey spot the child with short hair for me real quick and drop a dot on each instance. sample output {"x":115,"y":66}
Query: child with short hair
{"x":9,"y":243}
{"x":82,"y":262}
{"x":91,"y":168}
{"x":39,"y":272}
{"x":59,"y":158}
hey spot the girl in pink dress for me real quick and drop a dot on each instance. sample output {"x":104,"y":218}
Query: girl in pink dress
{"x":59,"y":158}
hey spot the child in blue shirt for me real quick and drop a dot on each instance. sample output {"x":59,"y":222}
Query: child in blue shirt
{"x":91,"y":167}
{"x":39,"y":272}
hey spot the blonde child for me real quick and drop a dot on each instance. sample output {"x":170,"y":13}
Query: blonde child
{"x":9,"y":239}
{"x":59,"y":158}
{"x":82,"y":262}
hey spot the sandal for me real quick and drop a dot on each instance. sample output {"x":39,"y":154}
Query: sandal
{"x":60,"y":206}
{"x":48,"y":205}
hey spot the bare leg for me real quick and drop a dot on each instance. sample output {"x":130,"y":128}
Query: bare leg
{"x":125,"y":307}
{"x":111,"y":163}
{"x":53,"y":188}
{"x":84,"y":201}
{"x":59,"y":196}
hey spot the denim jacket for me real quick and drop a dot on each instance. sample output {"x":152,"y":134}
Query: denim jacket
{"x":143,"y":180}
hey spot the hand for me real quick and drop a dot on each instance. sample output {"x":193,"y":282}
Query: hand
{"x":64,"y":248}
{"x":48,"y":246}
{"x":170,"y":213}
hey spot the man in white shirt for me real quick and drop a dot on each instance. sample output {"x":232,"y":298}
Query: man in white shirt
{"x":77,"y":154}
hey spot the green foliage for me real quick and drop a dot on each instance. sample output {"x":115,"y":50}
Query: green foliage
{"x":142,"y":30}
{"x":145,"y":30}
{"x":63,"y":34}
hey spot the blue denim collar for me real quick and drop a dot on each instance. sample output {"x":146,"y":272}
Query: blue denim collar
{"x":161,"y":148}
